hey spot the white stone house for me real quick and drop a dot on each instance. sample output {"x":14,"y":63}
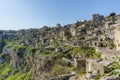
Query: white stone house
{"x":117,"y":38}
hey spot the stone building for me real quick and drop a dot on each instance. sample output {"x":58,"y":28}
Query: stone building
{"x":96,"y":65}
{"x":95,"y":42}
{"x":58,"y":25}
{"x":72,"y":30}
{"x":117,"y":38}
{"x":108,"y":24}
{"x":79,"y":63}
{"x":113,"y":17}
{"x":62,"y":35}
{"x":97,"y":18}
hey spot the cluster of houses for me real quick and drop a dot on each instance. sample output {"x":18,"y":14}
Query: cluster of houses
{"x":99,"y":32}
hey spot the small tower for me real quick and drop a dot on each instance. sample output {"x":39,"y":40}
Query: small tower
{"x":72,"y":30}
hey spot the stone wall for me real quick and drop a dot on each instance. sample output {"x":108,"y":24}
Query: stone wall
{"x":93,"y":65}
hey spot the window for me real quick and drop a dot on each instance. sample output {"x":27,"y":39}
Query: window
{"x":95,"y":43}
{"x":101,"y":39}
{"x":118,"y":45}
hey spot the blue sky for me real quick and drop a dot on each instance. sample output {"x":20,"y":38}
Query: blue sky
{"x":19,"y":14}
